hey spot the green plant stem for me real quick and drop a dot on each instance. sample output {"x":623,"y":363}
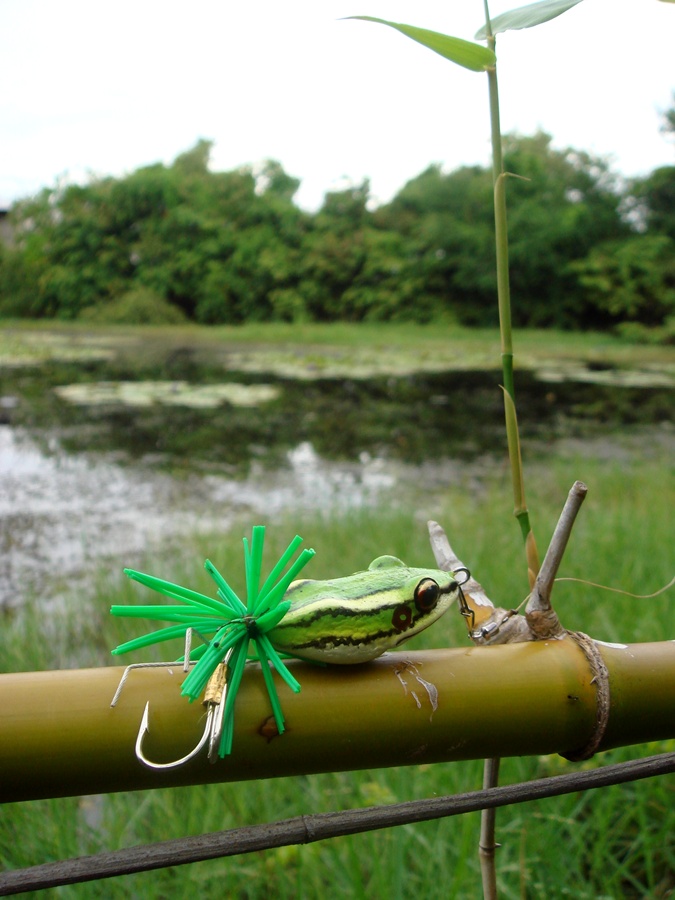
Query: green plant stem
{"x":501,"y":231}
{"x":491,"y":766}
{"x":504,"y":304}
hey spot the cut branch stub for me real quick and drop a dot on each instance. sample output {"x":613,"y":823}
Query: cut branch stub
{"x":494,"y":625}
{"x":539,"y":613}
{"x":448,"y":561}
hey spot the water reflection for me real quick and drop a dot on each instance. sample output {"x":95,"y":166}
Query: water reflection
{"x":62,"y":514}
{"x":84,"y":482}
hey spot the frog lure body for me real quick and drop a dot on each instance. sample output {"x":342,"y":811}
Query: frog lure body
{"x":359,"y":617}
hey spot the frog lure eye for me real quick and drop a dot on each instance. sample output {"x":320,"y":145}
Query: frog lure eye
{"x":340,"y":621}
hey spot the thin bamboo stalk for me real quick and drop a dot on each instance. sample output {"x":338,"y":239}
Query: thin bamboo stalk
{"x":59,"y":736}
{"x":487,"y":846}
{"x":309,"y":828}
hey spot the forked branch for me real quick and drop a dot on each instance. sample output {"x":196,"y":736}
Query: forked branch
{"x":496,"y":625}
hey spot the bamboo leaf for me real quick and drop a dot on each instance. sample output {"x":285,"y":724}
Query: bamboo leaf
{"x":528,"y":16}
{"x":464,"y":53}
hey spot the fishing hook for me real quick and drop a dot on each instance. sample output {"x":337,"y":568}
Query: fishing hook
{"x":215,"y":695}
{"x":214,"y":700}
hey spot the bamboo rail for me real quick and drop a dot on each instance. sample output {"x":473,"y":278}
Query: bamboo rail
{"x":60,"y":737}
{"x":318,"y":827}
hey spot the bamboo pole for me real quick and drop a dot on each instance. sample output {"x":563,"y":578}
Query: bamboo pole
{"x":59,"y":736}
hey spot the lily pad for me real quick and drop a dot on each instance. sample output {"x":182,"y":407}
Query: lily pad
{"x":166,"y":393}
{"x":354,"y":363}
{"x":629,"y":378}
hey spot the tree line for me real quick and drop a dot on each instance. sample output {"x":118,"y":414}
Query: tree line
{"x":183,"y":243}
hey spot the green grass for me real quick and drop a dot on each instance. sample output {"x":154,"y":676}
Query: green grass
{"x":451,"y":346}
{"x":613,"y":843}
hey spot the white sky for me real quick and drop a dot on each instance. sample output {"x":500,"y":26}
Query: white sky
{"x":94,"y":86}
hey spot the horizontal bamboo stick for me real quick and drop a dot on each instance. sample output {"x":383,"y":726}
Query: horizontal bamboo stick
{"x":311,"y":827}
{"x":60,"y":737}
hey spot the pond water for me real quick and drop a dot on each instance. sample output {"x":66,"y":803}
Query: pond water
{"x":97,"y":462}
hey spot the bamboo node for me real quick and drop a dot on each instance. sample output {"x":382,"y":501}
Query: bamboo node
{"x":601,"y":681}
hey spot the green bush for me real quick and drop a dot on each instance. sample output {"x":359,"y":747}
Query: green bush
{"x":232,"y":247}
{"x":629,"y":281}
{"x":138,"y":306}
{"x":643,"y":334}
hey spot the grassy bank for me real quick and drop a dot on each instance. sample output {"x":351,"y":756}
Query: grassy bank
{"x":288,"y":349}
{"x":613,"y":843}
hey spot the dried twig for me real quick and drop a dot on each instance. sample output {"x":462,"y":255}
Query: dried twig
{"x":486,"y":844}
{"x":540,"y":615}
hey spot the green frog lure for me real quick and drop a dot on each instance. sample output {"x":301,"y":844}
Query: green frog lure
{"x":339,"y":621}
